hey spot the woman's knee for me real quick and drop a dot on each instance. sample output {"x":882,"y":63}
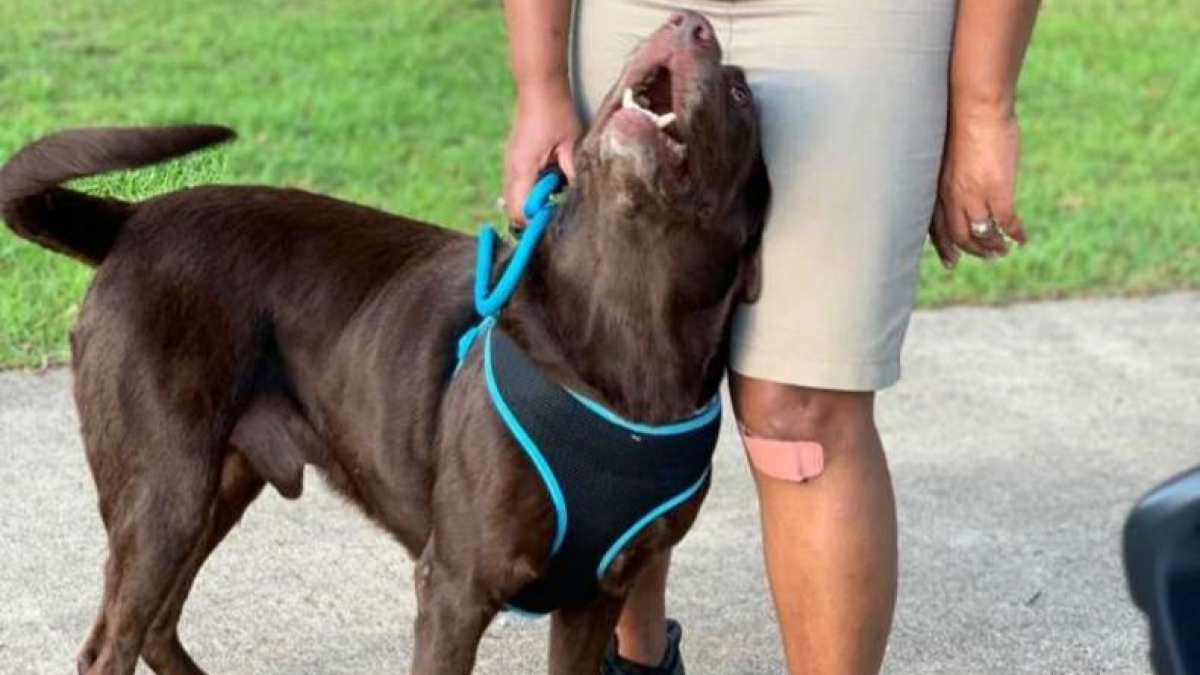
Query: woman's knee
{"x":783,"y":411}
{"x":789,"y":431}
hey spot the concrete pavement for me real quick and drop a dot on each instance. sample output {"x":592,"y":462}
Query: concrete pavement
{"x":1019,"y":438}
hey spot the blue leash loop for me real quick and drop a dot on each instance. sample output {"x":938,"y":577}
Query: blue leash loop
{"x":539,"y":208}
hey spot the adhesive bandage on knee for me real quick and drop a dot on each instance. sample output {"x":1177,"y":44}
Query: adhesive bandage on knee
{"x":795,"y":461}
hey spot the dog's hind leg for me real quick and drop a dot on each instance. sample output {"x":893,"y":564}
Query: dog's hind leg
{"x":269,"y":443}
{"x":91,"y":646}
{"x":155,"y":520}
{"x":239,"y":486}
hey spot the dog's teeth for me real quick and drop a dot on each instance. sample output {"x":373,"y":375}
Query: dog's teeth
{"x":636,"y":101}
{"x":640,"y":103}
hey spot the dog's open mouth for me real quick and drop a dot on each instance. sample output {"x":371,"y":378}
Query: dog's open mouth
{"x":654,"y":98}
{"x":647,"y":113}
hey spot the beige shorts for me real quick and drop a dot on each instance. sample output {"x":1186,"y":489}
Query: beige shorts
{"x":853,"y":96}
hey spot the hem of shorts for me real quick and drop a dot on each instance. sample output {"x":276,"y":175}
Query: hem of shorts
{"x":815,"y":374}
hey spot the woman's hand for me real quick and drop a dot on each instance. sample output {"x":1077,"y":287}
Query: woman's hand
{"x":976,"y":206}
{"x":545,"y":128}
{"x":978,"y":183}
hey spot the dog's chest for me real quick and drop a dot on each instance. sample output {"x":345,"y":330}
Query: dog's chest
{"x":607,"y":478}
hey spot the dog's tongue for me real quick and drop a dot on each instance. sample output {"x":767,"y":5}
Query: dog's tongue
{"x":631,"y":127}
{"x":631,"y":123}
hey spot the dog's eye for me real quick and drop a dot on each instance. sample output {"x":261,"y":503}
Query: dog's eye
{"x":740,"y":94}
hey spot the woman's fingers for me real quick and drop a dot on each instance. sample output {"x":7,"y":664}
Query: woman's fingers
{"x":1015,"y":229}
{"x":993,"y":242}
{"x":984,"y":230}
{"x":565,"y":156}
{"x":1003,"y":209}
{"x":518,"y":181}
{"x":942,"y":243}
{"x":527,"y":154}
{"x":978,"y":184}
{"x":545,"y":128}
{"x":958,"y":225}
{"x":522,"y":175}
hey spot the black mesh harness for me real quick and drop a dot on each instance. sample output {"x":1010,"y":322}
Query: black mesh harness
{"x":608,"y":478}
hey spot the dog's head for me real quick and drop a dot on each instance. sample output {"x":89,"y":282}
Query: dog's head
{"x":675,"y":144}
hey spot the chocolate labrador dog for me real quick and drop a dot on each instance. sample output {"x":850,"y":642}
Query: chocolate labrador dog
{"x":233,"y":335}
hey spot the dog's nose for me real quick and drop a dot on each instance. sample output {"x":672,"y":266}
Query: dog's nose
{"x":691,"y":27}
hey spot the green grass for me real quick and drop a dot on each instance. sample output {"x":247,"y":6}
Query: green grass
{"x":404,"y":104}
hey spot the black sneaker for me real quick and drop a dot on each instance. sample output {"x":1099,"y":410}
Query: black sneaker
{"x":672,"y":662}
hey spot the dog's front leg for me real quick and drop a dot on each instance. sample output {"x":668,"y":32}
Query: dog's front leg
{"x":579,"y":636}
{"x":453,"y":610}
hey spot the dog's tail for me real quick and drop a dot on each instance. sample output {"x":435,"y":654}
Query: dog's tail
{"x":72,"y":223}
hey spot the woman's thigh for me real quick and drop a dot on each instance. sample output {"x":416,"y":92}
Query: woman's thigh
{"x":853,"y":97}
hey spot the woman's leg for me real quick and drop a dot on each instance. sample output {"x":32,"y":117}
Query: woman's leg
{"x":830,"y":541}
{"x":641,"y":633}
{"x":852,"y":97}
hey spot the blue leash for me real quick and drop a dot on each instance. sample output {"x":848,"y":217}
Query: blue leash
{"x":539,"y":209}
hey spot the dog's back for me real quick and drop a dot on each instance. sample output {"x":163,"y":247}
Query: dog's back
{"x":37,"y":208}
{"x":260,"y":259}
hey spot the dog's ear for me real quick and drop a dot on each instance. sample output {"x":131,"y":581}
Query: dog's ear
{"x":755,"y":204}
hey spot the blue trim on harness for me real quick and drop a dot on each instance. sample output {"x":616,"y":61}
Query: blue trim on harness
{"x":703,"y":416}
{"x":468,"y":339}
{"x":527,"y":444}
{"x":661,"y":510}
